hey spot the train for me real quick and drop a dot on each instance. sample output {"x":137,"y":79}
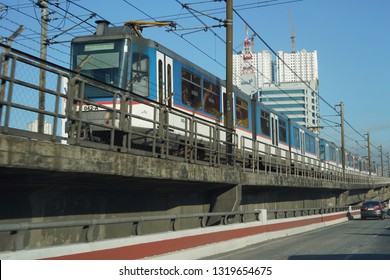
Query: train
{"x":117,"y":56}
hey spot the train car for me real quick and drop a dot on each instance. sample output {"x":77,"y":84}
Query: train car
{"x":353,"y":162}
{"x":363,"y":165}
{"x":292,"y":140}
{"x":330,"y":155}
{"x":243,"y":119}
{"x":304,"y":143}
{"x":271,"y":130}
{"x":118,"y":57}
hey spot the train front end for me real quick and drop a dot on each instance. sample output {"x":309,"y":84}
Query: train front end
{"x":105,"y":72}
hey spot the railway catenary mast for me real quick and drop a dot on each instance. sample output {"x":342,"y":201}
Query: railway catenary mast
{"x":229,"y":75}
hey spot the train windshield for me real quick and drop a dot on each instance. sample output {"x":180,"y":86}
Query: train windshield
{"x":106,"y":63}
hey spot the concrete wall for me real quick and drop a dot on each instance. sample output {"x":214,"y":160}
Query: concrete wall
{"x":45,"y":181}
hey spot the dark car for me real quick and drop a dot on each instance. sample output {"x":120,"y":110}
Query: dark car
{"x":372,"y":209}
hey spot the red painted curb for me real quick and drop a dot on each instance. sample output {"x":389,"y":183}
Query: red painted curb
{"x":144,"y":250}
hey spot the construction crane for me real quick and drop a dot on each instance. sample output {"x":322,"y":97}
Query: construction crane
{"x":138,"y":25}
{"x":292,"y":32}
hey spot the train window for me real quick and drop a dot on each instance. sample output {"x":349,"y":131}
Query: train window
{"x":211,"y":98}
{"x":242,"y":112}
{"x":282,"y":131}
{"x":191,"y":90}
{"x":140,"y":74}
{"x":310,"y":143}
{"x":322,"y":152}
{"x":307,"y":142}
{"x":264,"y":121}
{"x":105,"y":62}
{"x":297,"y":140}
{"x":332,"y":154}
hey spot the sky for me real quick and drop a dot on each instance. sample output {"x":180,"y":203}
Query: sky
{"x":351,"y":38}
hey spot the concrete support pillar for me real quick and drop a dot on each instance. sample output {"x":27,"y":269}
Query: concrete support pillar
{"x":342,"y":199}
{"x":226,"y":200}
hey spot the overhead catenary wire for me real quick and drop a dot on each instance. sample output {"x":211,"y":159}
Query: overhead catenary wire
{"x":275,"y":53}
{"x":193,"y":12}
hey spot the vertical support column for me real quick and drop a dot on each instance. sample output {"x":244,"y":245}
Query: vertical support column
{"x":342,"y":137}
{"x":342,"y":199}
{"x":43,"y":4}
{"x":4,"y":60}
{"x":369,"y":153}
{"x":226,"y":200}
{"x":381,"y":153}
{"x":229,"y":78}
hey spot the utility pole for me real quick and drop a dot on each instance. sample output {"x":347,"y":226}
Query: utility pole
{"x":342,"y":136}
{"x":43,"y":4}
{"x":388,"y":165}
{"x":229,"y":77}
{"x":380,"y":149}
{"x":369,"y":153}
{"x":6,"y":65}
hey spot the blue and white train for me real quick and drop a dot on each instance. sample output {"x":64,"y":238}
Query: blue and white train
{"x":118,"y":57}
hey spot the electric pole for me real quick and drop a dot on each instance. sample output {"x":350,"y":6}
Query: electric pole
{"x":342,"y":136}
{"x":229,"y":78}
{"x":380,"y":149}
{"x":43,"y":4}
{"x":369,"y":153}
{"x":6,"y":65}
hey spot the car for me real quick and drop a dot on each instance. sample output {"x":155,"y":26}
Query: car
{"x":372,"y":209}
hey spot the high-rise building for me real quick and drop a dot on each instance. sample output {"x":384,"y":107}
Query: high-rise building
{"x":261,"y":64}
{"x":297,"y":83}
{"x":296,"y":66}
{"x":298,"y":101}
{"x":293,"y":90}
{"x":251,"y":70}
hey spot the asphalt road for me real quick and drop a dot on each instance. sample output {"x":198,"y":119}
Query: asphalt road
{"x":353,"y":240}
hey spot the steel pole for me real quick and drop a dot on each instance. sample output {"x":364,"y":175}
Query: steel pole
{"x":43,"y":4}
{"x":369,"y":153}
{"x":342,"y":137}
{"x":380,"y":149}
{"x":229,"y":78}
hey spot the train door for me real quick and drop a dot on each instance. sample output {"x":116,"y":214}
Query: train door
{"x":302,"y":141}
{"x":164,"y":72}
{"x":274,"y":130}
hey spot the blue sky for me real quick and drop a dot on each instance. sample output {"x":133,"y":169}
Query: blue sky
{"x":351,"y":38}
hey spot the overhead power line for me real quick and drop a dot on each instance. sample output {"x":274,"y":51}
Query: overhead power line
{"x":275,"y":53}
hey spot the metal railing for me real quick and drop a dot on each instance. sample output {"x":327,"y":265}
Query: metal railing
{"x":86,"y":229}
{"x":162,"y":131}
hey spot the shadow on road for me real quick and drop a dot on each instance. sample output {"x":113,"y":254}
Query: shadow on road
{"x":342,"y":257}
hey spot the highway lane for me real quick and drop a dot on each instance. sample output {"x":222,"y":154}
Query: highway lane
{"x":353,"y":240}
